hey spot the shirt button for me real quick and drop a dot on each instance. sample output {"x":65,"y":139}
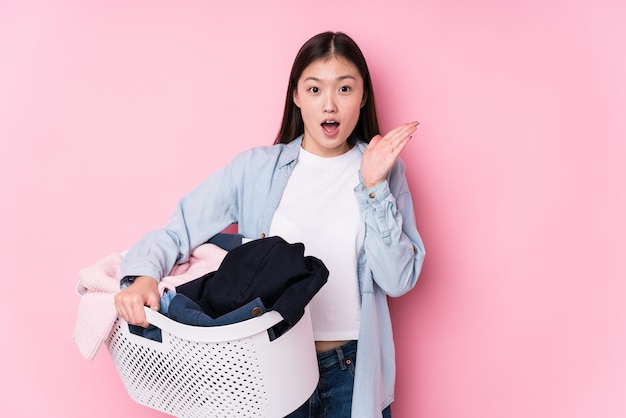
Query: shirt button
{"x":256,"y":311}
{"x":372,"y":195}
{"x":262,"y":234}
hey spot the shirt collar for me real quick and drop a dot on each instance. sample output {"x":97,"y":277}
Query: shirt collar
{"x":291,"y":151}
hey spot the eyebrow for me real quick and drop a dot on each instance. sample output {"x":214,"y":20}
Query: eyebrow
{"x":340,"y":78}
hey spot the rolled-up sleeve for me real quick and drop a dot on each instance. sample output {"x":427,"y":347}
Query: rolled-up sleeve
{"x":394,"y":250}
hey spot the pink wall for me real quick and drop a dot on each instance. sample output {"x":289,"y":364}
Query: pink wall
{"x":109,"y":111}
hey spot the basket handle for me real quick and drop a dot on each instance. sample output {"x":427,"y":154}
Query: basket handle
{"x":215,"y":334}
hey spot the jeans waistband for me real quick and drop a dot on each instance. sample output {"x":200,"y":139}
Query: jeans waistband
{"x":336,"y":355}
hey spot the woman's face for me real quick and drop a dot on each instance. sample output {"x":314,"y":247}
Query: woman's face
{"x":330,"y":96}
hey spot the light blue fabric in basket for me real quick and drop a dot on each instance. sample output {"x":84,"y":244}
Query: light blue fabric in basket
{"x":182,"y":309}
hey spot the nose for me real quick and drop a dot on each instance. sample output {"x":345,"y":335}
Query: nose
{"x":329,"y":104}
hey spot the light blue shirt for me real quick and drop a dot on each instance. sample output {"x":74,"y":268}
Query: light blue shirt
{"x":247,"y":192}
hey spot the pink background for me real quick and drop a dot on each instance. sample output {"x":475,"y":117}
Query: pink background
{"x":111,"y":110}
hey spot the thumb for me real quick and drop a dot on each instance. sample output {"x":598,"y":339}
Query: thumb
{"x":375,"y":139}
{"x":154,"y":302}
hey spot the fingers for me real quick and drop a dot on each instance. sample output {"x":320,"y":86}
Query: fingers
{"x":382,"y":152}
{"x":399,"y":136}
{"x":129,"y":306}
{"x":395,"y":140}
{"x":403,"y":129}
{"x":375,"y":139}
{"x":130,"y":302}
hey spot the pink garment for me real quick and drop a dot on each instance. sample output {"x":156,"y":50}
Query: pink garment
{"x":99,"y":283}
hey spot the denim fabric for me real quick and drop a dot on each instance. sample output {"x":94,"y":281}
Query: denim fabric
{"x":165,"y":301}
{"x":332,"y":397}
{"x":184,"y":310}
{"x":387,"y":412}
{"x":227,"y":241}
{"x":247,"y":192}
{"x":152,"y":332}
{"x":271,"y":268}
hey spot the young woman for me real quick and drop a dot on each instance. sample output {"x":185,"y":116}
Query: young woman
{"x":333,"y":183}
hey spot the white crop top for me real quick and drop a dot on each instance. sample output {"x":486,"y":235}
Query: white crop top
{"x":319,"y":209}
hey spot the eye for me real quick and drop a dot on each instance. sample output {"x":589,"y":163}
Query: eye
{"x":314,"y":89}
{"x":345,"y":89}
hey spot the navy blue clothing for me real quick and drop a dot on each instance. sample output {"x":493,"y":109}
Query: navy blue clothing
{"x":186,"y":311}
{"x":267,"y":272}
{"x":150,"y":332}
{"x":226,"y":241}
{"x":268,"y":268}
{"x":332,"y":397}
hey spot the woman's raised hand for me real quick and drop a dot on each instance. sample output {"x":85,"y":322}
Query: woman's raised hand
{"x":383,"y":151}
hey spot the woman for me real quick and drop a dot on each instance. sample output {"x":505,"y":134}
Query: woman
{"x":333,"y":183}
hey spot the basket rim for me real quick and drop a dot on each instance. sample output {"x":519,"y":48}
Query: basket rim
{"x":215,"y":334}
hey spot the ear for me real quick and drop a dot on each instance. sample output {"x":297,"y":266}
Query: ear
{"x":364,"y":100}
{"x":296,"y":100}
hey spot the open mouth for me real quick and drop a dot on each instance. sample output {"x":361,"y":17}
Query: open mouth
{"x":330,"y":127}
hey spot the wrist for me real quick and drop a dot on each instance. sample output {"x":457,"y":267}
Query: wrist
{"x":370,"y":184}
{"x":127,"y":281}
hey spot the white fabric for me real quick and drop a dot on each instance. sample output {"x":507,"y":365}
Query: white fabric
{"x":319,"y":209}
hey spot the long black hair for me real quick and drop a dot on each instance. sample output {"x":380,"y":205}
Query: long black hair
{"x":325,"y":46}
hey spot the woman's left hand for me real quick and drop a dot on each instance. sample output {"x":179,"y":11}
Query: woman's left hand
{"x":382,"y":152}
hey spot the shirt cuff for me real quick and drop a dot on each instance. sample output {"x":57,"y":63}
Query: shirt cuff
{"x":127,"y":281}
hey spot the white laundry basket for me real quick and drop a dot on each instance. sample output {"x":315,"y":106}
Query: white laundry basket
{"x":225,"y":371}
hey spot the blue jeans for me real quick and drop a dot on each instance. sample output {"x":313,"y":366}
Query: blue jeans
{"x":332,"y":397}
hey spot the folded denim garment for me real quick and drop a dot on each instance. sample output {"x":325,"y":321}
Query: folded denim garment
{"x":182,"y":309}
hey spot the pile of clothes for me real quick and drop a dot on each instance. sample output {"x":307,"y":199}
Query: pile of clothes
{"x":225,"y":281}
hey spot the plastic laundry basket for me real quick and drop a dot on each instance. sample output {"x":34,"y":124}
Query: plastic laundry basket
{"x":225,"y":371}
